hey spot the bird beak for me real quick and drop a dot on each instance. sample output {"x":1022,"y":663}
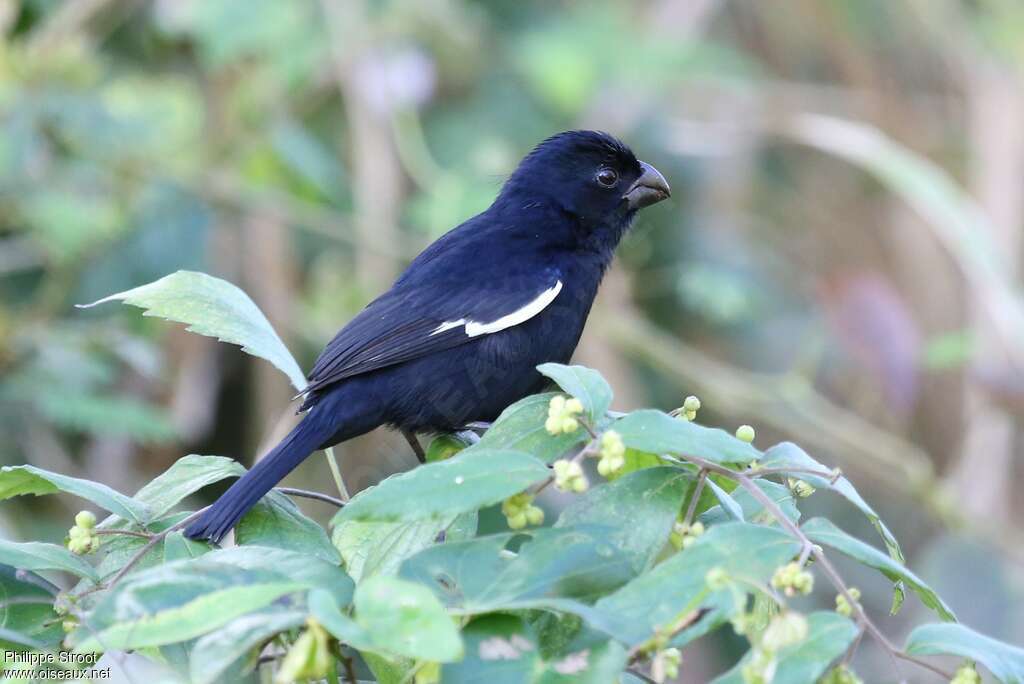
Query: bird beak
{"x":649,"y":188}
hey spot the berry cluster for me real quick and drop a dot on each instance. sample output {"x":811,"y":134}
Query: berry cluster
{"x":562,"y":415}
{"x":683,"y":536}
{"x":82,"y":538}
{"x":690,"y":407}
{"x":519,"y":511}
{"x":569,"y":476}
{"x":843,"y":606}
{"x":613,"y":454}
{"x":792,"y":579}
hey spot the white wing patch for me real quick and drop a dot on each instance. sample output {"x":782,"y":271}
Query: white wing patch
{"x":521,"y":315}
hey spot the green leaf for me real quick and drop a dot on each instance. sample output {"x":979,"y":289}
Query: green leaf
{"x":277,"y":522}
{"x":829,"y":635}
{"x":406,"y":619}
{"x":215,"y":308}
{"x":788,"y":454}
{"x":443,"y":447}
{"x":659,"y":433}
{"x":393,"y":617}
{"x":1005,"y":662}
{"x":823,"y":531}
{"x":650,"y":499}
{"x":225,"y":651}
{"x":179,"y":547}
{"x":27,"y":618}
{"x":186,"y":476}
{"x":177,"y":601}
{"x":520,"y":427}
{"x":585,"y":384}
{"x":499,"y":650}
{"x":472,"y":479}
{"x":26,"y":479}
{"x":502,"y":649}
{"x":369,"y":548}
{"x":725,"y":500}
{"x":311,"y":571}
{"x":749,"y":552}
{"x":752,"y":510}
{"x":480,"y":575}
{"x":40,"y":556}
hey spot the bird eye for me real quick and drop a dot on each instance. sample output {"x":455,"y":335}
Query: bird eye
{"x":607,"y":177}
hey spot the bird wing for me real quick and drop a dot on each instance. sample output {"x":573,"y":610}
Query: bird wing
{"x":410,"y":322}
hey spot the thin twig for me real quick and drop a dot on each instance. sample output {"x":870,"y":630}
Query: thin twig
{"x":818,"y":553}
{"x":306,"y":494}
{"x":127,"y":533}
{"x":702,"y":477}
{"x":153,"y":541}
{"x":336,"y":473}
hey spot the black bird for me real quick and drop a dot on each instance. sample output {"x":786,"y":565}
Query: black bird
{"x":459,"y":335}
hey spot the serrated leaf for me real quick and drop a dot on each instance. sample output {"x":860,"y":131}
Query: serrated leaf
{"x":587,"y":385}
{"x":40,"y":556}
{"x":520,"y":427}
{"x":215,"y":308}
{"x":828,"y":636}
{"x":1005,"y":662}
{"x":186,"y":476}
{"x":225,"y":650}
{"x":276,"y":521}
{"x":751,"y":552}
{"x":26,"y":479}
{"x":649,"y":498}
{"x":368,"y":548}
{"x":659,"y":433}
{"x":472,"y":479}
{"x":824,"y":532}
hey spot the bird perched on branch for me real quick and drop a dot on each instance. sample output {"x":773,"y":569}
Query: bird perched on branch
{"x":459,"y":335}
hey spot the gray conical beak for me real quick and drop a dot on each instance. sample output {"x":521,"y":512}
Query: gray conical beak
{"x":650,"y":188}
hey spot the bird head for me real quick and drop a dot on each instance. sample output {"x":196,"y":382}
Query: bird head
{"x":590,"y":175}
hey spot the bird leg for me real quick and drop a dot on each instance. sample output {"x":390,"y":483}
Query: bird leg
{"x":415,"y":444}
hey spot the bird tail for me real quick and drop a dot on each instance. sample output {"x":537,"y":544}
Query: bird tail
{"x":226,"y":511}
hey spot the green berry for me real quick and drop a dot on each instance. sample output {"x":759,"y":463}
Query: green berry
{"x":745,"y":433}
{"x":429,"y":673}
{"x":691,"y":403}
{"x":77,"y":532}
{"x":69,"y":625}
{"x":517,"y":521}
{"x":535,"y":515}
{"x":966,"y":674}
{"x":800,"y":488}
{"x":85,"y":519}
{"x":785,"y":629}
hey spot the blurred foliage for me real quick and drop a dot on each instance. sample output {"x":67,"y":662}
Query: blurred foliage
{"x":306,"y":150}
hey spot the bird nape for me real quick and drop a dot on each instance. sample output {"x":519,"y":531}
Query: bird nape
{"x":459,"y":335}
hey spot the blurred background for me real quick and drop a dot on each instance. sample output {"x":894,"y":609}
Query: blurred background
{"x":839,"y":264}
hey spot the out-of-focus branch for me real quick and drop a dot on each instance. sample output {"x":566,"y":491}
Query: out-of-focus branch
{"x":789,"y":405}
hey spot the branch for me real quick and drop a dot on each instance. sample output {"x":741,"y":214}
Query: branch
{"x":824,"y":563}
{"x":153,"y":541}
{"x":306,"y":494}
{"x":702,"y":477}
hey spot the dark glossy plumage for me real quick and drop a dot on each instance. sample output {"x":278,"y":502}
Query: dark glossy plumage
{"x":458,"y":336}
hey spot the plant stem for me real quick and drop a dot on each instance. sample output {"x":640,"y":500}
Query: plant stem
{"x":306,"y":494}
{"x":336,"y":473}
{"x":702,"y":477}
{"x":824,"y":563}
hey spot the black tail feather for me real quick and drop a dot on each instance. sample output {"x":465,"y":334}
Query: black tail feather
{"x":246,"y":491}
